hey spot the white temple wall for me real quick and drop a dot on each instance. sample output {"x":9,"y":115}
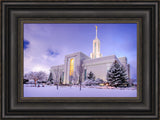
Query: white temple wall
{"x":99,"y":70}
{"x":98,"y":66}
{"x":77,"y":58}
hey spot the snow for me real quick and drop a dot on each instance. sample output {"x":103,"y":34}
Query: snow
{"x":74,"y":91}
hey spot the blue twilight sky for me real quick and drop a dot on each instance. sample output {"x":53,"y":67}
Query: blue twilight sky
{"x":46,"y":45}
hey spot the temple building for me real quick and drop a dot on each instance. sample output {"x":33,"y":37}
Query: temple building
{"x":78,"y":65}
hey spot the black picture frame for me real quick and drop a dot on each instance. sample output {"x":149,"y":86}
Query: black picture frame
{"x":13,"y":106}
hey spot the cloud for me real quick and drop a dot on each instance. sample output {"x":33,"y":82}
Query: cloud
{"x":40,"y":54}
{"x":26,"y":44}
{"x":52,"y":53}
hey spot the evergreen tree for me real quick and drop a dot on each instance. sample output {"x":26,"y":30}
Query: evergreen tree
{"x":117,"y":76}
{"x":50,"y":79}
{"x":91,"y":76}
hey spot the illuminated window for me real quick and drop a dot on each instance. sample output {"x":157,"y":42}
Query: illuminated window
{"x":71,"y":67}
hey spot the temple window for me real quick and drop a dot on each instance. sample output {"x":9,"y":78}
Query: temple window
{"x":71,"y":67}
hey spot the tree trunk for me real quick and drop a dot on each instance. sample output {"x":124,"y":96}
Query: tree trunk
{"x":57,"y":86}
{"x":80,"y":82}
{"x":80,"y":86}
{"x":35,"y":82}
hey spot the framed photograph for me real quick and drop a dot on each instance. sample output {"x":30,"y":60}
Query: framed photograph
{"x":80,"y":60}
{"x":56,"y":58}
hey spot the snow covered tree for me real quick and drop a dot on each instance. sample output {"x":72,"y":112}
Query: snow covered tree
{"x":60,"y":81}
{"x":42,"y":77}
{"x":80,"y":70}
{"x":117,"y":76}
{"x":91,"y":76}
{"x":50,"y":77}
{"x":36,"y":76}
{"x":73,"y":79}
{"x":57,"y":74}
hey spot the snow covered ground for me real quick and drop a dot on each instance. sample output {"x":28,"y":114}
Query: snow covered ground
{"x":74,"y":91}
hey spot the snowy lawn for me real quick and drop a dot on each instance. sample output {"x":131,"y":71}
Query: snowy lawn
{"x":74,"y":91}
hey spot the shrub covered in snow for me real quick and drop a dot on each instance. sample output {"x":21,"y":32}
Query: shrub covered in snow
{"x":25,"y":81}
{"x":90,"y":82}
{"x":91,"y":76}
{"x":99,"y":81}
{"x":30,"y":82}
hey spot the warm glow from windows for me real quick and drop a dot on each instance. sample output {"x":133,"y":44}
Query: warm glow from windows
{"x":71,"y":67}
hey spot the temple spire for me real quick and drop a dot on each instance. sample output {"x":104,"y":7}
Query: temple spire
{"x":96,"y":47}
{"x":96,"y":31}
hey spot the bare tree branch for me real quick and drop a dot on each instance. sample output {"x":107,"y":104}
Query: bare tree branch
{"x":58,"y":73}
{"x":80,"y":70}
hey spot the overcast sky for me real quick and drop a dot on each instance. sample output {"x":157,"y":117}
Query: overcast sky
{"x":46,"y":45}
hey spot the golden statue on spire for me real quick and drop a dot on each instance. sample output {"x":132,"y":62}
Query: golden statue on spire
{"x":96,"y":30}
{"x":96,"y":27}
